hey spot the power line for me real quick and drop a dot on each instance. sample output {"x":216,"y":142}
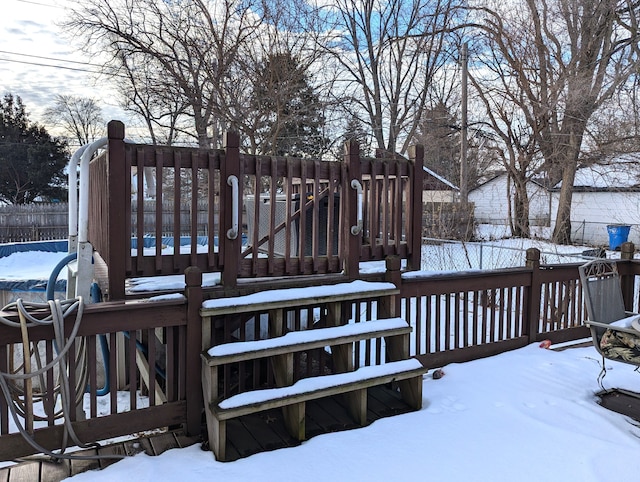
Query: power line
{"x":48,"y":65}
{"x":38,"y":64}
{"x":40,"y":3}
{"x":50,"y":58}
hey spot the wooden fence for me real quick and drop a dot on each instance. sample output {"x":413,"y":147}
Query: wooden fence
{"x":455,"y":317}
{"x":33,"y":222}
{"x":48,"y":221}
{"x":168,"y":405}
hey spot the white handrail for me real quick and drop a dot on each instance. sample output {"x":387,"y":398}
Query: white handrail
{"x":83,"y":203}
{"x":235,"y":211}
{"x":73,"y":198}
{"x":357,"y":229}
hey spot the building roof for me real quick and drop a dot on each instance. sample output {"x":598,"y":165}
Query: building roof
{"x":434,"y":181}
{"x":496,"y":175}
{"x":621,"y":173}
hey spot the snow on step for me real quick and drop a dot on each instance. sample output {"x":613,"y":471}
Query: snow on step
{"x":292,"y":294}
{"x":307,"y":385}
{"x":308,"y":336}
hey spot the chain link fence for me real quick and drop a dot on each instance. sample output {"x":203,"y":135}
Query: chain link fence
{"x":449,"y":255}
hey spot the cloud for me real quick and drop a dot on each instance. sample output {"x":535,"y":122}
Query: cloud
{"x":31,"y":33}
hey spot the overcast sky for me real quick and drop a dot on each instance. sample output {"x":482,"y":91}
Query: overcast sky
{"x":37,"y":61}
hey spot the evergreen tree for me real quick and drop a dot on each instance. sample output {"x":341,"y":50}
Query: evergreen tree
{"x":354,"y":131}
{"x":291,"y":112}
{"x":439,"y":132}
{"x":31,"y":161}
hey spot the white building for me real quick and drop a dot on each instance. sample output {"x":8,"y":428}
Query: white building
{"x":604,"y":194}
{"x":491,"y":201}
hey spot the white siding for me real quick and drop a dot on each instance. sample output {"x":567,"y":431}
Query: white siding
{"x":491,"y":204}
{"x":591,"y":212}
{"x":539,"y":205}
{"x":439,"y":196}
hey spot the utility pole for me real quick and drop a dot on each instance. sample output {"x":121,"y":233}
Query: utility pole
{"x":464,"y":178}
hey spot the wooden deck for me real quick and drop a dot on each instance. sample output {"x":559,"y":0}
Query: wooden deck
{"x":622,"y":401}
{"x":247,"y":435}
{"x":41,"y":469}
{"x":617,"y":400}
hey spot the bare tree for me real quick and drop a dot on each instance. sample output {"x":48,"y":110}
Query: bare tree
{"x":80,"y":117}
{"x":563,"y":60}
{"x":391,"y":52}
{"x":518,"y":147}
{"x":191,"y":43}
{"x":153,"y":98}
{"x":615,"y":128}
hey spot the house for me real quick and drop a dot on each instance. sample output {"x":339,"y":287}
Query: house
{"x":604,"y":194}
{"x":493,"y":197}
{"x":442,"y":214}
{"x":436,"y":189}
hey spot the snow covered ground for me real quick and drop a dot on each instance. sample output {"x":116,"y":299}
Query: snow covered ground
{"x":527,"y":415}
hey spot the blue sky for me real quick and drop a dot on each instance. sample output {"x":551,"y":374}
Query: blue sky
{"x":37,"y":61}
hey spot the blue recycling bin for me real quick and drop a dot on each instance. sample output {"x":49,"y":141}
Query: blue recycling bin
{"x":618,"y":234}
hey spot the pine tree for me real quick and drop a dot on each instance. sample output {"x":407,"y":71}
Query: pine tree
{"x":291,"y":111}
{"x":354,"y":131}
{"x":440,"y":134}
{"x":31,"y":161}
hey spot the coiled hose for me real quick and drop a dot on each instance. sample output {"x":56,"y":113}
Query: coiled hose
{"x":52,"y":313}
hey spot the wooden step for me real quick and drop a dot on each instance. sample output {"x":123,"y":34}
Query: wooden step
{"x":305,"y":340}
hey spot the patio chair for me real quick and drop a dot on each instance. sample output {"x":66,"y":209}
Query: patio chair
{"x":613,"y":329}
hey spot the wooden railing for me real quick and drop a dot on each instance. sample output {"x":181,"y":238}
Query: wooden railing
{"x":295,"y":216}
{"x":459,"y":317}
{"x":154,"y":342}
{"x":455,"y":317}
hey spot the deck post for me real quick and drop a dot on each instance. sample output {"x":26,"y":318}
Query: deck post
{"x":532,"y":299}
{"x":416,"y":155}
{"x":193,"y":367}
{"x":229,"y":249}
{"x":390,"y":305}
{"x":627,"y":281}
{"x":351,"y":242}
{"x":119,"y":245}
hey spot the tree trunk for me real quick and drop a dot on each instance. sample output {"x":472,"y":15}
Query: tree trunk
{"x":562,"y":230}
{"x":521,"y":228}
{"x":520,"y":215}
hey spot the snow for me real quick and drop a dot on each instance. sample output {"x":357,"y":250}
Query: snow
{"x":527,"y":415}
{"x":307,"y":336}
{"x":625,"y":322}
{"x":312,"y":384}
{"x":289,"y":294}
{"x":167,"y":283}
{"x":440,"y":178}
{"x":619,"y":173}
{"x":36,"y":265}
{"x":530,"y":414}
{"x":169,"y":297}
